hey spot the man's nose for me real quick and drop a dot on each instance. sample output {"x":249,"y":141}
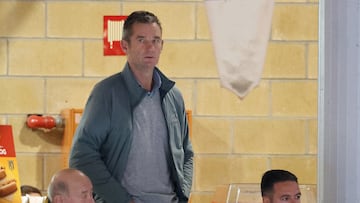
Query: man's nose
{"x":149,"y":44}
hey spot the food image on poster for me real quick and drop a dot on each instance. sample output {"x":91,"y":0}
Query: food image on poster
{"x":9,"y":176}
{"x":7,"y":186}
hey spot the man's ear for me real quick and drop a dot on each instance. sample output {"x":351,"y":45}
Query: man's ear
{"x":57,"y":199}
{"x":124,"y":45}
{"x":266,"y":199}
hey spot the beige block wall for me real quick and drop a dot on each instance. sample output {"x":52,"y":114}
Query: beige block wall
{"x":51,"y":56}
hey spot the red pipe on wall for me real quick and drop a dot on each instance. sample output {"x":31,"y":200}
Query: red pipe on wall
{"x":47,"y":122}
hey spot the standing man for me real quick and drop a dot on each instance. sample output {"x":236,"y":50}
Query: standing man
{"x":280,"y":186}
{"x":70,"y":186}
{"x":133,"y":138}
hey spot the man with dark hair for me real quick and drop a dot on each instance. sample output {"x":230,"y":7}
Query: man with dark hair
{"x":280,"y":186}
{"x":30,"y":190}
{"x":133,"y":137}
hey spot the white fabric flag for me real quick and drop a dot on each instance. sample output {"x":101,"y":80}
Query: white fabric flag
{"x":240,"y":32}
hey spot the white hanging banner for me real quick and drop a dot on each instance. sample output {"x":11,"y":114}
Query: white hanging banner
{"x":240,"y":32}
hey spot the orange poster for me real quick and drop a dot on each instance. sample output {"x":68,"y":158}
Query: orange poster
{"x":9,"y":173}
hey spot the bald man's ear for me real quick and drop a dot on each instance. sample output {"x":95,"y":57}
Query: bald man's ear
{"x":57,"y":199}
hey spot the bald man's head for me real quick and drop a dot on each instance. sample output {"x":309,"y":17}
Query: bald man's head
{"x":70,"y":185}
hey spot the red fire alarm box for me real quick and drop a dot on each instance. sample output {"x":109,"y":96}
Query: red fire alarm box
{"x":112,"y":35}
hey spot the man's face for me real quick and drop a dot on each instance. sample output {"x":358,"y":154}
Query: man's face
{"x":143,"y":50}
{"x":80,"y":191}
{"x":285,"y":192}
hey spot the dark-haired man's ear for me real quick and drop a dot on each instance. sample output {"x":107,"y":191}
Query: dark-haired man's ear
{"x":266,"y":199}
{"x":124,"y":45}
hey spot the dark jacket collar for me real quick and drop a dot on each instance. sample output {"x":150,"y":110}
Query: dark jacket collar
{"x":136,"y":92}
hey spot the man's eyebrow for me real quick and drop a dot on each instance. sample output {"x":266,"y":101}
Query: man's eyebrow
{"x":141,"y":37}
{"x":85,"y":192}
{"x":286,"y":195}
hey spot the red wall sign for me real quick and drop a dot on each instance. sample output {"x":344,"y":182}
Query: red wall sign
{"x":112,"y":35}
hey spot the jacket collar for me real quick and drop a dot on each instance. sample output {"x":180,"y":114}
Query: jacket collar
{"x":136,"y":92}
